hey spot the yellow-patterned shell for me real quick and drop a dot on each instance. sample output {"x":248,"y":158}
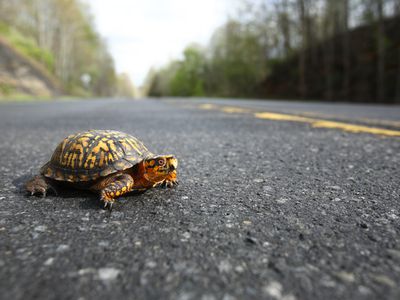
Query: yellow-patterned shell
{"x":92,"y":154}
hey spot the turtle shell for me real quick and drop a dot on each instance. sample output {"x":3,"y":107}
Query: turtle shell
{"x":86,"y":156}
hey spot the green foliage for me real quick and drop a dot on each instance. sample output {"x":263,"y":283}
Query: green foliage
{"x":233,"y":66}
{"x":310,"y":49}
{"x":27,"y":46}
{"x":6,"y":89}
{"x":238,"y":58}
{"x":188,"y":79}
{"x":61,"y":35}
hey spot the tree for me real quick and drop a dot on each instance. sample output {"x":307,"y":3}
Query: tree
{"x":346,"y":50}
{"x":284,"y":24}
{"x":381,"y":52}
{"x":60,"y":28}
{"x":304,"y":30}
{"x":238,"y":59}
{"x":189,"y":77}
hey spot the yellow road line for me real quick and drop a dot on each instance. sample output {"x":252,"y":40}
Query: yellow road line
{"x":282,"y":117}
{"x":355,"y":128}
{"x":318,"y":123}
{"x":208,"y":106}
{"x":369,"y":121}
{"x":233,"y":109}
{"x":314,"y":122}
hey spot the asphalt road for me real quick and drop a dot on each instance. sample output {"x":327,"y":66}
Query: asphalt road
{"x":266,"y":209}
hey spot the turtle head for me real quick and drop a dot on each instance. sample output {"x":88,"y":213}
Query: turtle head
{"x":159,"y":167}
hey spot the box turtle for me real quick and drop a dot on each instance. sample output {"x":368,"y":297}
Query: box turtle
{"x":108,"y":162}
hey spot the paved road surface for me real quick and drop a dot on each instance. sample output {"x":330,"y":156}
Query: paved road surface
{"x":266,"y":209}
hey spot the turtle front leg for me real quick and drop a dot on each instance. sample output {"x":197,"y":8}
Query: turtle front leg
{"x":171,"y":180}
{"x":39,"y":185}
{"x":112,"y":187}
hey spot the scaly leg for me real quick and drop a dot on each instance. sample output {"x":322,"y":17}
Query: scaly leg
{"x":171,"y":180}
{"x":39,"y":185}
{"x":112,"y":187}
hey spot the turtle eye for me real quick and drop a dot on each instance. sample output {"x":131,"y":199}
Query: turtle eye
{"x":161,"y":162}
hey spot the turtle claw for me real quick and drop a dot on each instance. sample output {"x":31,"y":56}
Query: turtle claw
{"x":169,"y":183}
{"x":39,"y":185}
{"x":108,"y":203}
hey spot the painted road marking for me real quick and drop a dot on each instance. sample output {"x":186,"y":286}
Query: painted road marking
{"x":318,"y":123}
{"x":368,"y":121}
{"x":314,"y":122}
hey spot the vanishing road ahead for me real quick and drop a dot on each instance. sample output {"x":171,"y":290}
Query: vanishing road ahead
{"x":277,"y":200}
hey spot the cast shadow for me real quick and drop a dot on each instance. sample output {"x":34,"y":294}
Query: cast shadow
{"x":64,"y":192}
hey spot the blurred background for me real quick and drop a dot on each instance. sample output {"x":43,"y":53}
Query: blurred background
{"x":332,"y":50}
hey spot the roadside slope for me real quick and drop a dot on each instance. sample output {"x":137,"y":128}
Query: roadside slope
{"x":21,"y":75}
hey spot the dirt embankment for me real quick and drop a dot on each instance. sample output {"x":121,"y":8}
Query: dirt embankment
{"x":20,"y":75}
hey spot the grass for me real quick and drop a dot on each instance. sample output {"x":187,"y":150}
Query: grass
{"x":20,"y":97}
{"x":27,"y":46}
{"x":6,"y":89}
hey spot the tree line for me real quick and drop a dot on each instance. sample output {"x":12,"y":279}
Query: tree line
{"x":307,"y":49}
{"x":69,"y":46}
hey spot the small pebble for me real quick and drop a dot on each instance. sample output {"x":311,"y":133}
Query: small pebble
{"x":49,"y":261}
{"x":346,"y":276}
{"x":82,"y":272}
{"x":364,"y":290}
{"x":282,"y":200}
{"x":335,"y":187}
{"x":394,"y":253}
{"x":224,"y":266}
{"x":382,"y":279}
{"x":273,"y":289}
{"x":239,"y":269}
{"x":393,"y":216}
{"x":104,"y":243}
{"x":266,"y":244}
{"x":62,"y":248}
{"x":186,"y":235}
{"x":151,"y":264}
{"x":41,"y":228}
{"x":108,"y":274}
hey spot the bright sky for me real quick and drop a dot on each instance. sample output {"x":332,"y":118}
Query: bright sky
{"x":141,"y":34}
